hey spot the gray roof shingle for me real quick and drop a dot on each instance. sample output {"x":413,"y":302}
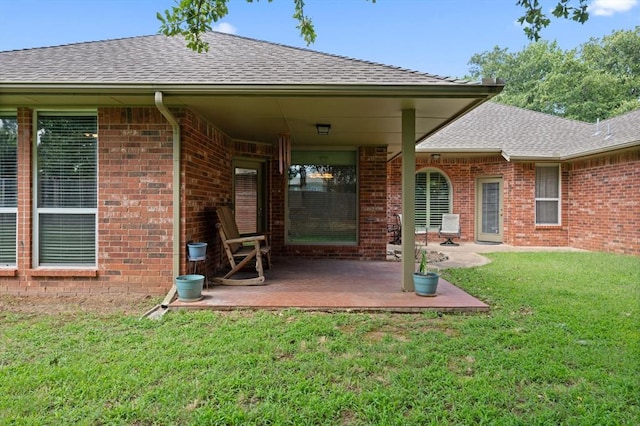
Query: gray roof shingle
{"x":521,"y":133}
{"x":158,"y":59}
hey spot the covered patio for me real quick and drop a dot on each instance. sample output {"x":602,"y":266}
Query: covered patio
{"x":333,"y":285}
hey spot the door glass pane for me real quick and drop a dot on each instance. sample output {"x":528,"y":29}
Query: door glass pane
{"x":246,"y":200}
{"x":490,"y":208}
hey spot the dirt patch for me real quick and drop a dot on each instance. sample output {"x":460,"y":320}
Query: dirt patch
{"x":132,"y":304}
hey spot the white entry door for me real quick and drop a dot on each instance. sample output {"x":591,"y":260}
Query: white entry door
{"x":489,"y":210}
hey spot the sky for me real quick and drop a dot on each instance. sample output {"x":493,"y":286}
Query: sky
{"x":433,"y":36}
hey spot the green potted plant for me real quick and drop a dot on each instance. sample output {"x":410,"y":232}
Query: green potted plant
{"x":425,"y":283}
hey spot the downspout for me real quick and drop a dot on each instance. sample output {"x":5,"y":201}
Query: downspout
{"x":176,"y":190}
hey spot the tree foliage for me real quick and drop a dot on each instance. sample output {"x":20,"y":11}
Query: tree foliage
{"x":599,"y":79}
{"x":534,"y":19}
{"x":192,"y":18}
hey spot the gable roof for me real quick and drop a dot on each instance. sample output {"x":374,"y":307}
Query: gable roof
{"x":231,"y":60}
{"x":250,"y":89}
{"x":519,"y":133}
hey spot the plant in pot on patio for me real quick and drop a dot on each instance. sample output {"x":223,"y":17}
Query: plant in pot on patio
{"x":189,"y":287}
{"x":425,"y":283}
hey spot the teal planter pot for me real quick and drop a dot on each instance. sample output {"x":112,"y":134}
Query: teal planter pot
{"x":197,"y":250}
{"x":426,"y":285}
{"x":189,"y":287}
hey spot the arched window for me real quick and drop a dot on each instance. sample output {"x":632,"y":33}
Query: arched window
{"x":433,"y":199}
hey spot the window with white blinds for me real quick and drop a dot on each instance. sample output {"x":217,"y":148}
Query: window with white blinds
{"x":433,"y":199}
{"x":66,"y":191}
{"x":8,"y":188}
{"x":322,"y":199}
{"x":548,"y":194}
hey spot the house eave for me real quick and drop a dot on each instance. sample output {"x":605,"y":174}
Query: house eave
{"x":576,"y":155}
{"x":79,"y":88}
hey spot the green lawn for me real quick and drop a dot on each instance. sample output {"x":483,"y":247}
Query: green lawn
{"x":560,"y":346}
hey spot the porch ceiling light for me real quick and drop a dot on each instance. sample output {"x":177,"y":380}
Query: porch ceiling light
{"x":323,"y":129}
{"x":435,"y":156}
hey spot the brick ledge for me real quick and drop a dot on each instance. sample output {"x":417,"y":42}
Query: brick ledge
{"x":8,"y":272}
{"x":63,"y":273}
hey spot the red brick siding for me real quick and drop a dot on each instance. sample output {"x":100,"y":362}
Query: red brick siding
{"x":135,"y":221}
{"x":205,"y":184}
{"x":604,"y":203}
{"x":134,"y":210}
{"x":20,"y":285}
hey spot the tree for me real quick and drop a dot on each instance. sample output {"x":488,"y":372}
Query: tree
{"x":535,"y":19}
{"x":192,"y":18}
{"x":600,"y":79}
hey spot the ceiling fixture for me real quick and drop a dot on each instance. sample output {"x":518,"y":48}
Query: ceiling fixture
{"x":323,"y":129}
{"x":435,"y":156}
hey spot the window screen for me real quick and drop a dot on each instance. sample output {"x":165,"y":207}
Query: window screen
{"x":322,"y":198}
{"x":67,"y":189}
{"x":548,"y":195}
{"x":433,"y":199}
{"x":8,"y":189}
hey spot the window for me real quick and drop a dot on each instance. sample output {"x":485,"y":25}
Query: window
{"x":433,"y":199}
{"x":547,"y":195}
{"x":66,"y":190}
{"x":8,"y":189}
{"x":322,"y":198}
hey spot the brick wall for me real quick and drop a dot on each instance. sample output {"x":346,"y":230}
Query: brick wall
{"x":604,"y":203}
{"x":134,"y":210}
{"x":205,"y":184}
{"x":135,"y":221}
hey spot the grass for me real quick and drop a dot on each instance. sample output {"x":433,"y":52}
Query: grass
{"x":560,"y":346}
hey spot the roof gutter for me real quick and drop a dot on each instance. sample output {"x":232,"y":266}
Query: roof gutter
{"x":434,"y":90}
{"x":176,"y":189}
{"x":574,"y":156}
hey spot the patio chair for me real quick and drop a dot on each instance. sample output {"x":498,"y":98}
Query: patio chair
{"x":395,"y":230}
{"x":450,"y":228}
{"x":240,"y":250}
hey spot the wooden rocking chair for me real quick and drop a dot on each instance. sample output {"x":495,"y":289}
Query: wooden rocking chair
{"x":241,"y":250}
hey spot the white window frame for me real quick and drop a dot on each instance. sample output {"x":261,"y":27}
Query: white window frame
{"x":11,"y":210}
{"x":429,"y":170}
{"x":37,"y":211}
{"x":557,"y":199}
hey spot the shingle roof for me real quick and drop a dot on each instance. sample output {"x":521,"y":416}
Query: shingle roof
{"x":521,"y":133}
{"x":231,"y":59}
